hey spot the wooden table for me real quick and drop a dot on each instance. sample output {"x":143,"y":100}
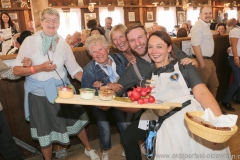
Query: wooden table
{"x":113,"y":103}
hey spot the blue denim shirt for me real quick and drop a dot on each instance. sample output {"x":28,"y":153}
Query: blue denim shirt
{"x":92,"y":72}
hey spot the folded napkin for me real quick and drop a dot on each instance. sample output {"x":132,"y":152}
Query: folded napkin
{"x":221,"y":121}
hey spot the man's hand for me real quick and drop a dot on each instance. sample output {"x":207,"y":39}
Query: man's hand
{"x":186,"y":61}
{"x":115,"y":87}
{"x":236,"y":62}
{"x":202,"y":65}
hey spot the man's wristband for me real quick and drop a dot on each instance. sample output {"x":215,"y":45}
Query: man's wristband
{"x":32,"y":70}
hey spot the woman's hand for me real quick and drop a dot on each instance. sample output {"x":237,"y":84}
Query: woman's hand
{"x":115,"y":87}
{"x":133,"y":60}
{"x":97,"y":84}
{"x":2,"y":39}
{"x":104,"y":108}
{"x":27,"y":62}
{"x":48,"y":66}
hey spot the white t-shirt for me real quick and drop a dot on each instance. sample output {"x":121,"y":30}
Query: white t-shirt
{"x":235,"y":33}
{"x":63,"y":55}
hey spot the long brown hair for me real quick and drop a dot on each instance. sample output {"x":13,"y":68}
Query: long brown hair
{"x":11,"y":24}
{"x":166,"y":38}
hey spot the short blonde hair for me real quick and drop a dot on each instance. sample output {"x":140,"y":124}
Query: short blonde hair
{"x":86,"y":31}
{"x":92,"y":40}
{"x":119,"y":27}
{"x":51,"y":11}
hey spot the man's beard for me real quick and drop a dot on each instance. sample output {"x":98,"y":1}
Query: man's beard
{"x":137,"y":54}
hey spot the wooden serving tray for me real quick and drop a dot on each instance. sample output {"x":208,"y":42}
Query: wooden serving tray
{"x":113,"y":103}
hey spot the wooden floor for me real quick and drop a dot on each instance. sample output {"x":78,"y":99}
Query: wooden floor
{"x":77,"y":152}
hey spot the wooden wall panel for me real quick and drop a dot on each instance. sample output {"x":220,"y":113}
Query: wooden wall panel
{"x":145,"y":11}
{"x":131,"y":9}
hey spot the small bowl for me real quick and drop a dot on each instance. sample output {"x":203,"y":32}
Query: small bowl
{"x":105,"y":95}
{"x":65,"y":92}
{"x":87,"y":93}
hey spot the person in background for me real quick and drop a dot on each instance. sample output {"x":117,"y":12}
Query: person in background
{"x":185,"y":26}
{"x":68,"y":39}
{"x":14,"y":45}
{"x":221,"y":27}
{"x":159,"y":28}
{"x":182,"y":33}
{"x":107,"y":28}
{"x":155,"y":24}
{"x":51,"y":122}
{"x":8,"y":30}
{"x":94,"y":23}
{"x":19,"y":41}
{"x":203,"y":47}
{"x":174,"y":31}
{"x":105,"y":68}
{"x":225,"y":18}
{"x":238,"y":19}
{"x":189,"y":25}
{"x":233,"y":61}
{"x":149,"y":30}
{"x":85,"y":34}
{"x":31,"y":26}
{"x":96,"y":30}
{"x":76,"y":40}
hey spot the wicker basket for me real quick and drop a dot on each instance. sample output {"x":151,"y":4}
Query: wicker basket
{"x":209,"y":134}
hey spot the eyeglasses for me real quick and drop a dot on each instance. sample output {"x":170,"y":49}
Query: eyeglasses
{"x":49,"y":20}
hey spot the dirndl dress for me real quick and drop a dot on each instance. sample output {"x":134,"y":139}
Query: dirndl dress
{"x":54,"y":123}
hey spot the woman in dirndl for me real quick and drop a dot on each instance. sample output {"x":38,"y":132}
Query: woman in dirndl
{"x":174,"y":82}
{"x":51,"y":122}
{"x":7,"y":31}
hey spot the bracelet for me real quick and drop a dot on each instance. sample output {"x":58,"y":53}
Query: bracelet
{"x":32,"y":70}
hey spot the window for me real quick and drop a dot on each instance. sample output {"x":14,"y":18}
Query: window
{"x":70,"y":22}
{"x":232,"y":13}
{"x":168,"y":21}
{"x":193,"y":15}
{"x":118,"y":12}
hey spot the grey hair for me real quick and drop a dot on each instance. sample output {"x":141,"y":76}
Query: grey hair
{"x":92,"y":40}
{"x":51,"y":11}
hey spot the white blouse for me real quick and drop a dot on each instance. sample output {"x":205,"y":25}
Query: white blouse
{"x":63,"y":55}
